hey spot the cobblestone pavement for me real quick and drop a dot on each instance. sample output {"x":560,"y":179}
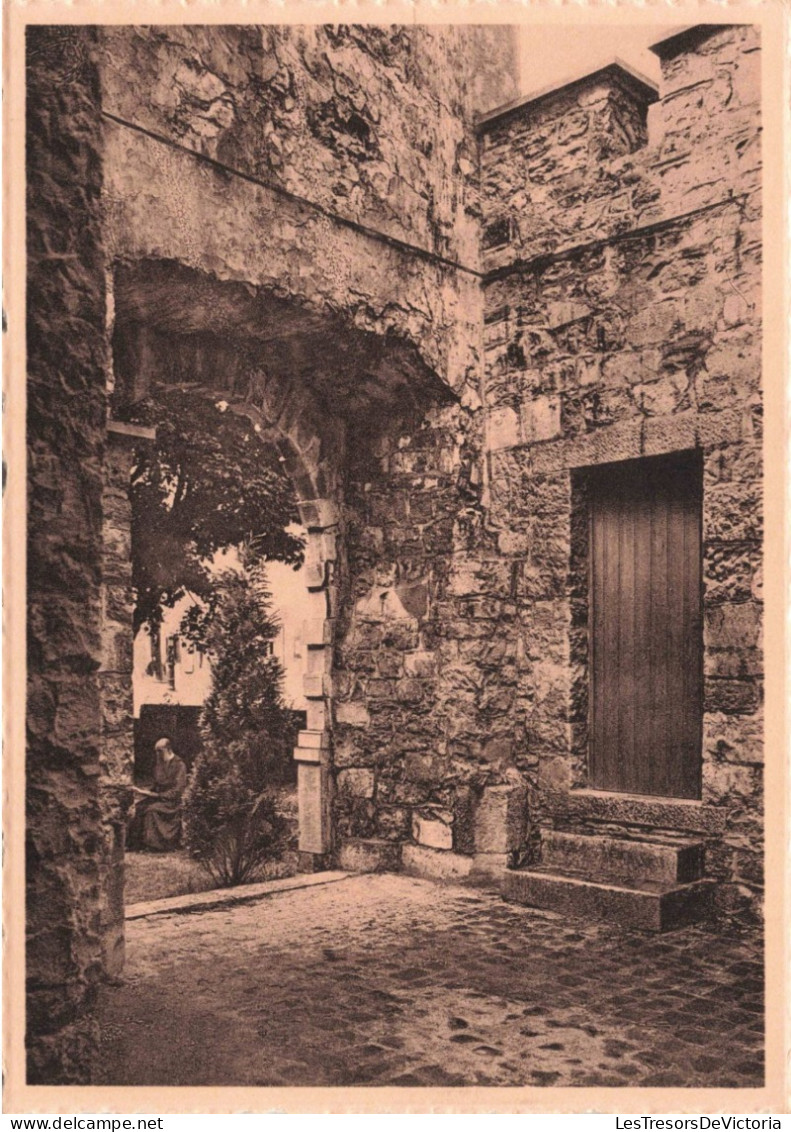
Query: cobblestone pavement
{"x":387,"y":980}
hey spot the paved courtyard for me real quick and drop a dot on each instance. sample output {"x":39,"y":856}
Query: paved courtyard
{"x":390,"y":980}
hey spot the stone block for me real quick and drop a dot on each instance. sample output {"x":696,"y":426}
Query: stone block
{"x":317,"y":514}
{"x":317,"y":740}
{"x":502,"y":429}
{"x":316,"y":632}
{"x":420,"y":664}
{"x":733,"y":738}
{"x":492,"y":866}
{"x":660,"y":813}
{"x":318,"y":662}
{"x":353,"y":714}
{"x":731,"y":697}
{"x":648,"y":909}
{"x":314,"y":574}
{"x":669,"y":434}
{"x":369,"y":855}
{"x":356,"y":782}
{"x":541,"y":419}
{"x":423,"y":767}
{"x":623,"y":861}
{"x":554,"y":772}
{"x":500,"y":819}
{"x":620,"y":441}
{"x":733,"y":510}
{"x":317,"y":715}
{"x":719,"y":428}
{"x":313,"y":792}
{"x":316,"y":687}
{"x":393,"y":822}
{"x":733,"y":625}
{"x":435,"y":863}
{"x":434,"y":829}
{"x":733,"y":783}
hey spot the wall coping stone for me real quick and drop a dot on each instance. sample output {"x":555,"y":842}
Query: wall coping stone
{"x":686,"y":39}
{"x":640,"y":86}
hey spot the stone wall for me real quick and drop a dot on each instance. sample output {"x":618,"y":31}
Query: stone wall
{"x":293,"y":216}
{"x":348,"y":150}
{"x":351,"y":155}
{"x":631,"y":327}
{"x":68,"y":851}
{"x":367,"y":121}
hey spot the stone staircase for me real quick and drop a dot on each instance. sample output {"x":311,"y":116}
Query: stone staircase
{"x":653,"y":882}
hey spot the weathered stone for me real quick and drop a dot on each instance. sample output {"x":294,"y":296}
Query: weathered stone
{"x":502,"y":429}
{"x":648,"y":908}
{"x":733,"y":626}
{"x":425,"y":862}
{"x":433,"y":829}
{"x":500,"y":819}
{"x":69,"y":846}
{"x":313,"y":785}
{"x":491,"y":866}
{"x":357,"y":782}
{"x":440,"y":463}
{"x":369,"y":856}
{"x":352,"y":714}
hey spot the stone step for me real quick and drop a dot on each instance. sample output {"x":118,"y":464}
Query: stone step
{"x":650,"y":907}
{"x":623,"y":860}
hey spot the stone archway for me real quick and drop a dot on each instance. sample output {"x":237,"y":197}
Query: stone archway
{"x":320,"y":518}
{"x":317,"y":388}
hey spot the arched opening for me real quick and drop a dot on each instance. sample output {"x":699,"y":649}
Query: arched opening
{"x":316,"y":390}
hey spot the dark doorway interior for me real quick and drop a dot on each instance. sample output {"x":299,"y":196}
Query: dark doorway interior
{"x":646,"y":626}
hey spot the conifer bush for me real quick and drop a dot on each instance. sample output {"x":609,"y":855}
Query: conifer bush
{"x":230,"y":821}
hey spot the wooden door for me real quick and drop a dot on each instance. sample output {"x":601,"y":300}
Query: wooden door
{"x":646,"y":626}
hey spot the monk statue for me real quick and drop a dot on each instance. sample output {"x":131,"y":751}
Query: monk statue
{"x":156,"y":820}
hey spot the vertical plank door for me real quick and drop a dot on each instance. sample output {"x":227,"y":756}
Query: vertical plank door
{"x":646,"y":644}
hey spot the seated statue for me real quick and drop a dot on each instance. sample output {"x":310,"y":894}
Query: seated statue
{"x":155,"y":822}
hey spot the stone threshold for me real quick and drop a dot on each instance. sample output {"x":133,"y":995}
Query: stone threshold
{"x":217,"y":897}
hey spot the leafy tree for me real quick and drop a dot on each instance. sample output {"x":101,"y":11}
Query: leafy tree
{"x":230,"y":820}
{"x":209,"y":482}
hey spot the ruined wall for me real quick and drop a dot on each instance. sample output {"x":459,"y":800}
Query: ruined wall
{"x":358,"y":327}
{"x":560,"y":169}
{"x":369,"y":125}
{"x":367,"y":121}
{"x":67,"y":853}
{"x":636,"y":338}
{"x":425,"y":672}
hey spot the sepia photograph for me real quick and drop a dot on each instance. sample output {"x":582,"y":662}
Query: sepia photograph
{"x":393,"y":479}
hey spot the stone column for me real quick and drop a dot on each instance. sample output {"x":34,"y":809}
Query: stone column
{"x":115,"y":678}
{"x":314,"y":745}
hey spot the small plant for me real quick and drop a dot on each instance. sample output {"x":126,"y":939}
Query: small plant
{"x":231,"y":824}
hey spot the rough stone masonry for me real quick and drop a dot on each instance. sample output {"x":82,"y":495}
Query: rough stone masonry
{"x":444,"y":309}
